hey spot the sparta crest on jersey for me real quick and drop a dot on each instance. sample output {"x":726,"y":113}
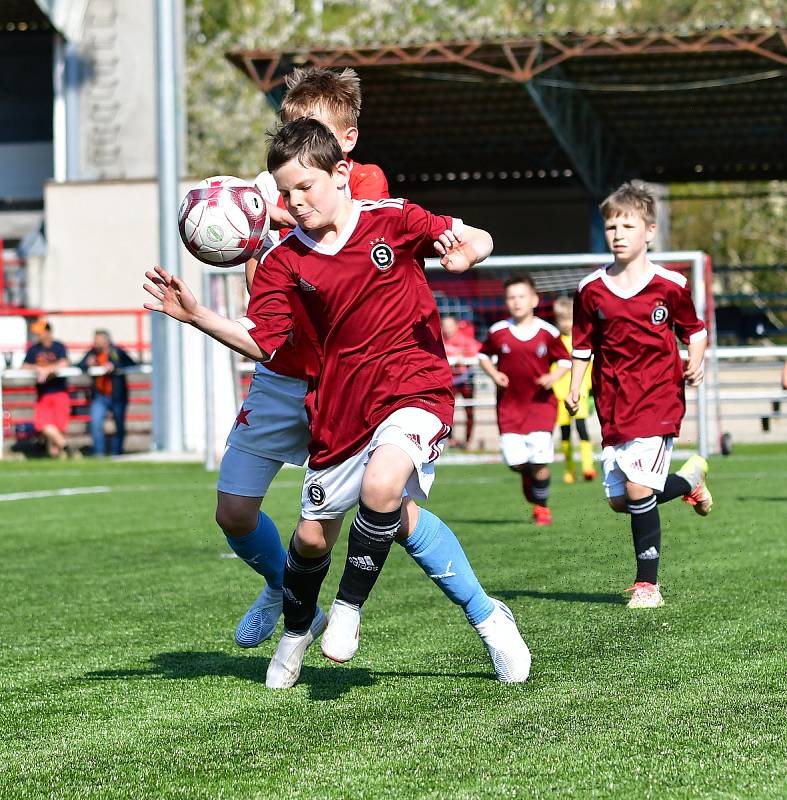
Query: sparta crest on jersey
{"x":372,"y":311}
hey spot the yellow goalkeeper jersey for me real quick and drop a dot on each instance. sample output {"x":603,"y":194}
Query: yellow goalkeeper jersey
{"x":562,"y":386}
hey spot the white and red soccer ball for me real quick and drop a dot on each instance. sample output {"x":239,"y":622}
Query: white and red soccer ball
{"x":223,"y":221}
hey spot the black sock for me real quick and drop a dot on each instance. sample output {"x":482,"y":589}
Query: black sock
{"x":369,"y":543}
{"x":582,"y":430}
{"x":541,"y":491}
{"x":646,"y":530}
{"x":675,"y":486}
{"x":527,"y":485}
{"x":303,"y":577}
{"x":565,"y":433}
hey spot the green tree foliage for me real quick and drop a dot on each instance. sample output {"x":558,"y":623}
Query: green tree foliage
{"x":737,"y":224}
{"x":228,"y":116}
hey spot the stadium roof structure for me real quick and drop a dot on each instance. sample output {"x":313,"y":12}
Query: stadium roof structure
{"x":601,"y":108}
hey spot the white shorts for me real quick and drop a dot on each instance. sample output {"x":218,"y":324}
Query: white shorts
{"x":643,"y":461}
{"x":246,"y":474}
{"x":331,"y":492}
{"x":527,"y":448}
{"x":272,"y":421}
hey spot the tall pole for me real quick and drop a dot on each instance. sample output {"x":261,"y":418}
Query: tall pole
{"x":166,"y":333}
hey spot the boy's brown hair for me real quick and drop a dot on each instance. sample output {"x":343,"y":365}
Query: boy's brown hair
{"x":306,"y":139}
{"x":523,"y":277}
{"x":634,"y":197}
{"x":337,"y":94}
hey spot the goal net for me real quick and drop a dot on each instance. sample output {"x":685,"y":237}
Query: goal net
{"x":475,"y":300}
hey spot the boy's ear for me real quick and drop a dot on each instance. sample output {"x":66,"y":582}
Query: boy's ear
{"x":342,"y":172}
{"x":348,"y":139}
{"x":650,"y":233}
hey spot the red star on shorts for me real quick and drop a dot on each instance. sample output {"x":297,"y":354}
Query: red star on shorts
{"x":242,"y":418}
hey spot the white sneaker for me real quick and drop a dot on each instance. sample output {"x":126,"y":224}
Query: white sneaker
{"x":340,"y":640}
{"x":695,"y":471}
{"x":285,"y":667}
{"x":260,"y":620}
{"x":645,"y":595}
{"x":508,"y":651}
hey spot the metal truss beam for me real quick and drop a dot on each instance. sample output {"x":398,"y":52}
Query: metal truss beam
{"x":518,"y":60}
{"x":599,"y":158}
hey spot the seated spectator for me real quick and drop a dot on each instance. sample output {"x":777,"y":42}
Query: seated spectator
{"x":52,"y":407}
{"x":460,"y":344}
{"x":109,"y":391}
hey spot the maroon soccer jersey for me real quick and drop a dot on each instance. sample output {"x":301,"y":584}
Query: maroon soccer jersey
{"x":367,"y":296}
{"x":637,"y":371}
{"x":301,"y":356}
{"x":523,"y":406}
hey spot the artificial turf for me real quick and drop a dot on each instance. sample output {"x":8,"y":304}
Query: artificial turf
{"x":119,"y":677}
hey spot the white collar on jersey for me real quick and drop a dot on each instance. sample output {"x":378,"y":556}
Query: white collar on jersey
{"x":627,"y":294}
{"x":341,"y":240}
{"x":529,"y":333}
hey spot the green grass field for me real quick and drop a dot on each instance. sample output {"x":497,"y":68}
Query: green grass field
{"x":119,"y":677}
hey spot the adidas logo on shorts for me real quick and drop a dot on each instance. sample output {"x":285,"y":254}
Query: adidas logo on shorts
{"x":363,"y":562}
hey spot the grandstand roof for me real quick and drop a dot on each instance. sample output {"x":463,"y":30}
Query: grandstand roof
{"x":663,"y":106}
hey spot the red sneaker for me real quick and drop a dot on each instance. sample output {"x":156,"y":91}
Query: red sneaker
{"x":589,"y":475}
{"x":542,"y":515}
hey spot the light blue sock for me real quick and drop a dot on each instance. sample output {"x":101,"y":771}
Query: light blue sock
{"x":262,"y":550}
{"x":437,"y":551}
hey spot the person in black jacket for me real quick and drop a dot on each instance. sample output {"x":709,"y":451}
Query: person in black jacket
{"x":110,"y":391}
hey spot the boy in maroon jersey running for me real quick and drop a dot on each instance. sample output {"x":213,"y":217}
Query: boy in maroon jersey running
{"x":526,"y":347}
{"x":626,"y":316}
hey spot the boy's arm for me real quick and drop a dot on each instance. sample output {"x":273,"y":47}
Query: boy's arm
{"x":693,"y":372}
{"x":175,"y":299}
{"x":582,"y":349}
{"x":691,"y":331}
{"x":500,"y":378}
{"x":578,"y":368}
{"x":463,"y":248}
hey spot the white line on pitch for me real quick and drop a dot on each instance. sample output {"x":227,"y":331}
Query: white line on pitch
{"x":55,"y":493}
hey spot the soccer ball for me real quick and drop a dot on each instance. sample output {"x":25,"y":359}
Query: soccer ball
{"x":223,"y":221}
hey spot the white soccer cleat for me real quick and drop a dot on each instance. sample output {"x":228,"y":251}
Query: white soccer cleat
{"x":341,"y":637}
{"x":260,"y":620}
{"x":645,"y":595}
{"x":508,"y":651}
{"x":285,"y":667}
{"x":695,"y":471}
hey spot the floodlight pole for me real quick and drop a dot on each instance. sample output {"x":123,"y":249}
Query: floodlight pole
{"x":166,"y":333}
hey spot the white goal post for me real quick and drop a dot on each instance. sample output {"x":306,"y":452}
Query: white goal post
{"x":224,"y":291}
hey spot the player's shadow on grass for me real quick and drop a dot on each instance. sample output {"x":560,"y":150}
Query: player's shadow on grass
{"x":568,"y":597}
{"x":325,"y":683}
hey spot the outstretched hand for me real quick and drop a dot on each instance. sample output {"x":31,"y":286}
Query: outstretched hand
{"x":173,"y":296}
{"x":455,"y":255}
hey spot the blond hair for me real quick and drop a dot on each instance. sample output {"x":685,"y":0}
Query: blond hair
{"x":634,"y":197}
{"x":563,"y":307}
{"x":336,"y":94}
